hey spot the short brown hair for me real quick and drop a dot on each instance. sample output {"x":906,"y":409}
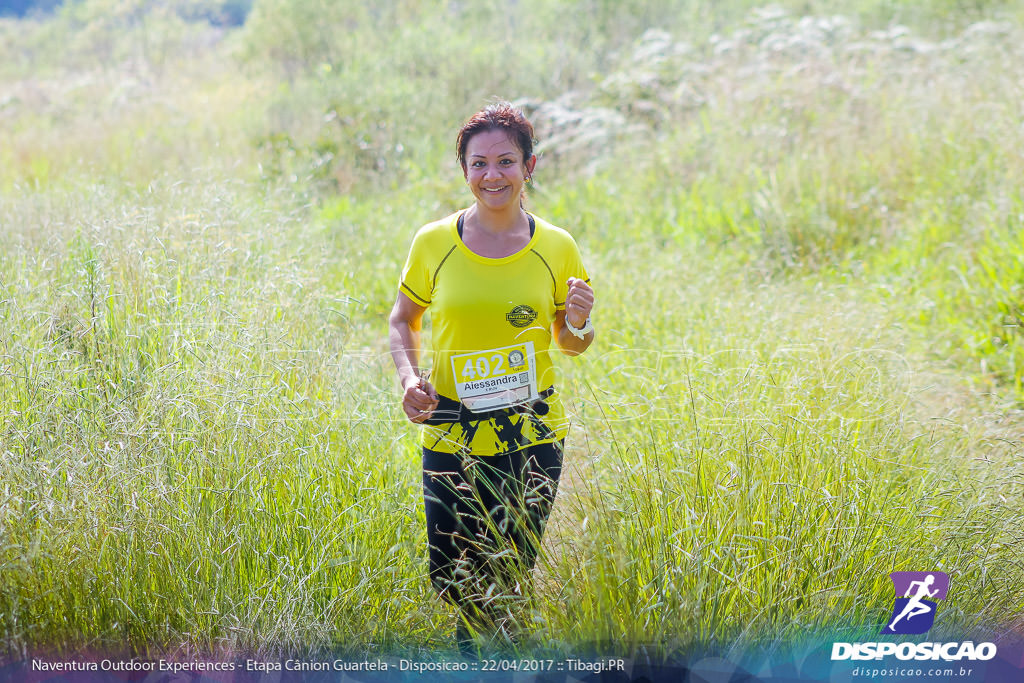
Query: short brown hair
{"x":498,"y":116}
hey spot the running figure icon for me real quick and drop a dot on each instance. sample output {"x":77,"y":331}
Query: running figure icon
{"x":916,"y":595}
{"x":914,"y":605}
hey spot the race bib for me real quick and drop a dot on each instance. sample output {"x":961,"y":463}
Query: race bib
{"x":496,"y":378}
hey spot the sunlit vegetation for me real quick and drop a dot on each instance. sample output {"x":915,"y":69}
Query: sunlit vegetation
{"x":804,"y":227}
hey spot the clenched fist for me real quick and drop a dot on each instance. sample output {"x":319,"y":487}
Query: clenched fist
{"x":579,"y":301}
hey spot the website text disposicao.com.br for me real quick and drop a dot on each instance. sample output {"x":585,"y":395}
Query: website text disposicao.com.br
{"x":900,"y":672}
{"x":952,"y":655}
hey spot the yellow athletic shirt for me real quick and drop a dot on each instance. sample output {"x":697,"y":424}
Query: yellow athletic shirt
{"x":477,"y":303}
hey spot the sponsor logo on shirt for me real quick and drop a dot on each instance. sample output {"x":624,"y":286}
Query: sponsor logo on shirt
{"x":521,"y":316}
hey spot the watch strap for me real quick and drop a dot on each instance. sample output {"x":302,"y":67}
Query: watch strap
{"x":582,"y":331}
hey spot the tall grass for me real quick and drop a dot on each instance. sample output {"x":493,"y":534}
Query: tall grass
{"x":804,"y":237}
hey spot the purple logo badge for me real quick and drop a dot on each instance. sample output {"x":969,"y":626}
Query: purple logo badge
{"x":916,"y":593}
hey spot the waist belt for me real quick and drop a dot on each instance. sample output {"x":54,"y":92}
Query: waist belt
{"x":450,"y":410}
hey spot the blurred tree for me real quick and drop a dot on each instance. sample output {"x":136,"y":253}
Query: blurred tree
{"x":303,"y":35}
{"x":21,"y":8}
{"x":221,"y":13}
{"x":216,"y":12}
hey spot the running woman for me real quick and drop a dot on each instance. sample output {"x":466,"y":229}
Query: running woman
{"x":501,"y":284}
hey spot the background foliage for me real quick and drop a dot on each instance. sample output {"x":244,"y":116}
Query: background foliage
{"x":804,"y":224}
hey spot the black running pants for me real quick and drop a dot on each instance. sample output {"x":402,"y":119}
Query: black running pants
{"x":485,"y":518}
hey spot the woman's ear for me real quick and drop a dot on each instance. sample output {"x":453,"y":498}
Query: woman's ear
{"x":531,"y":164}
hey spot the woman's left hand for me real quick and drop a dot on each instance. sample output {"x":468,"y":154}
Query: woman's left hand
{"x":579,"y":301}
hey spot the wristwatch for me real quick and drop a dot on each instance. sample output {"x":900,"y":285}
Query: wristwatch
{"x":581,"y":332}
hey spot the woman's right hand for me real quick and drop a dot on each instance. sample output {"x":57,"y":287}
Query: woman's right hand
{"x":419,"y":399}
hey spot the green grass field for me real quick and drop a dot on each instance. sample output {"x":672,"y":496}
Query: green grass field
{"x":804,"y":228}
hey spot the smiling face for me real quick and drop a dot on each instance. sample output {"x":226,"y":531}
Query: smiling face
{"x":495,"y":170}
